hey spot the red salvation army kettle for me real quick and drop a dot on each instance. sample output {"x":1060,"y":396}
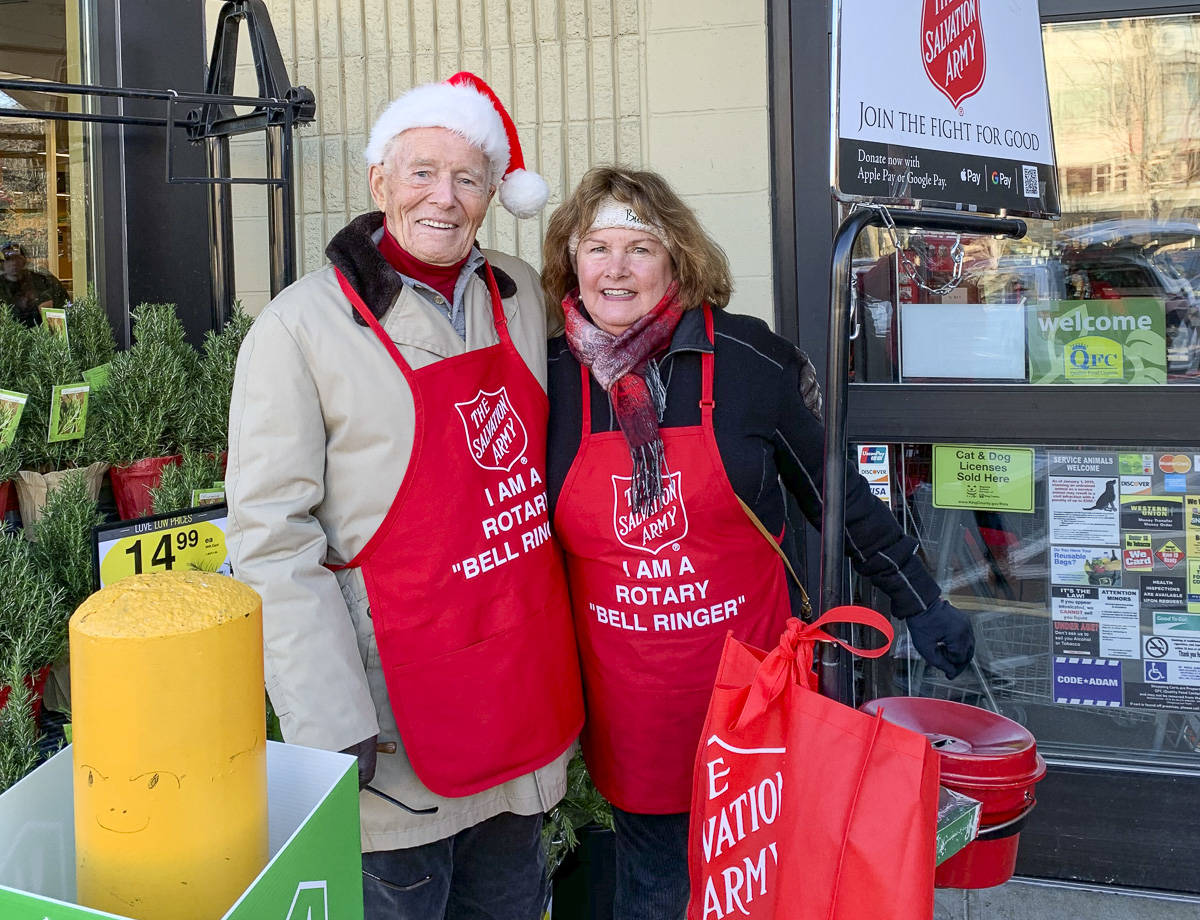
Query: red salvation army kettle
{"x":987,"y":757}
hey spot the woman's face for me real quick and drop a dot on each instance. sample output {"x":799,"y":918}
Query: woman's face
{"x":623,"y":274}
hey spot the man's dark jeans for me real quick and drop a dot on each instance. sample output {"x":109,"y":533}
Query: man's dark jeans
{"x":652,"y":870}
{"x":493,"y":871}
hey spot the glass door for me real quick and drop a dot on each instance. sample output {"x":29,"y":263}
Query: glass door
{"x":44,"y":206}
{"x":1038,"y":429}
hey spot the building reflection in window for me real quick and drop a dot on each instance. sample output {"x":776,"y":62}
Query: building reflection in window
{"x":1125,"y":99}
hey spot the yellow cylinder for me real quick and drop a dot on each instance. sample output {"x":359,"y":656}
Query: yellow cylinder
{"x":169,"y":745}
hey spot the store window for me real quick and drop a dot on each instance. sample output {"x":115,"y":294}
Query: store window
{"x":1080,"y":568}
{"x":1108,"y":295}
{"x":44,"y":204}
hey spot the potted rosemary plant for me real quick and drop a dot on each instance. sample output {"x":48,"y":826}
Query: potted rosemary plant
{"x":207,"y":426}
{"x":141,"y":411}
{"x":47,"y":375}
{"x":33,"y":633}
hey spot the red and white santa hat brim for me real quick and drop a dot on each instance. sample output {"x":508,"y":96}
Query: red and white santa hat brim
{"x":466,"y":105}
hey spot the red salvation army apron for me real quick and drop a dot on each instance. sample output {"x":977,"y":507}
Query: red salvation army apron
{"x":465,"y":581}
{"x":653,"y":598}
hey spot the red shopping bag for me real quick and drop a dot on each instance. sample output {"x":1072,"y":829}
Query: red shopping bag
{"x":804,"y":808}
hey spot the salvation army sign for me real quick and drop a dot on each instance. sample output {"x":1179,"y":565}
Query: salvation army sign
{"x":943,"y":103}
{"x":953,"y":47}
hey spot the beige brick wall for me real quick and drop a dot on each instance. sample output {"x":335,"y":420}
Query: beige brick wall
{"x":678,"y":86}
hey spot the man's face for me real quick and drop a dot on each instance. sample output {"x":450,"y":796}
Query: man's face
{"x":434,"y":189}
{"x":12,"y":266}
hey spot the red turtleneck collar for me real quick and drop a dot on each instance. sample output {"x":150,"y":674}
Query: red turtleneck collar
{"x":442,"y":278}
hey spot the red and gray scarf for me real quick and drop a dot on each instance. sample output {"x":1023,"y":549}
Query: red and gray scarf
{"x":624,"y":366}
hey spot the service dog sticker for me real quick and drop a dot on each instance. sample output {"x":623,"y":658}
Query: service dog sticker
{"x":665,"y":525}
{"x":496,"y":435}
{"x":952,"y":47}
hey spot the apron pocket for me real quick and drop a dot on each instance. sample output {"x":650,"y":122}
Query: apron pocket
{"x":492,"y":711}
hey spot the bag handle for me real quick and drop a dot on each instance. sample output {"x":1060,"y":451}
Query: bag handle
{"x":806,"y":605}
{"x":792,"y":658}
{"x":858,"y":785}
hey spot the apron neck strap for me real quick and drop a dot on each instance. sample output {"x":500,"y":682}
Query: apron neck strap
{"x":706,"y":382}
{"x":369,"y":318}
{"x":585,"y":383}
{"x":706,"y":370}
{"x":498,"y":318}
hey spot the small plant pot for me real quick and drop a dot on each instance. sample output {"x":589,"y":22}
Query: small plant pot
{"x":36,"y":683}
{"x":5,"y":492}
{"x":132,"y":485}
{"x":33,"y":488}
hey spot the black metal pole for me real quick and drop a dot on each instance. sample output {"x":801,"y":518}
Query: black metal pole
{"x":220,"y":222}
{"x":834,"y":667}
{"x":121,"y":92}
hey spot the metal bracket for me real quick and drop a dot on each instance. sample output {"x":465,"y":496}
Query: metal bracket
{"x":217,"y":118}
{"x":835,"y":668}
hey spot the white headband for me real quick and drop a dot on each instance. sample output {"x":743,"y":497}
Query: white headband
{"x":617,"y":214}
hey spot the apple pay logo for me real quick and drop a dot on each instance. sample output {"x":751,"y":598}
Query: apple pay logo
{"x":969,"y":175}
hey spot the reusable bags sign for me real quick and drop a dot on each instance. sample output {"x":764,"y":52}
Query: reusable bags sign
{"x":944,"y":102}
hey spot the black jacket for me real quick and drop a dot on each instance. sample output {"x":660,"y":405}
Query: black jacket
{"x":767,"y":436}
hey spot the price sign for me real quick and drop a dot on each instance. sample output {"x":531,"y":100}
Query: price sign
{"x":187,"y":540}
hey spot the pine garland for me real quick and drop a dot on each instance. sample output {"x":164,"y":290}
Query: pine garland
{"x":582,"y":805}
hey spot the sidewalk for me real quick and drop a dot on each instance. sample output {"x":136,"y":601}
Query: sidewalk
{"x":1032,"y":899}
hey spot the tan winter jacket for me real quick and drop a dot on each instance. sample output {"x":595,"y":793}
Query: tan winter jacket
{"x":320,"y":431}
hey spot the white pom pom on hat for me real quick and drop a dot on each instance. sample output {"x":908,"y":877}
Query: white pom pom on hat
{"x":466,"y":105}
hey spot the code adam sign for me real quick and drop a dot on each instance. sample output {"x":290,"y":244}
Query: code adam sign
{"x":943,"y":102}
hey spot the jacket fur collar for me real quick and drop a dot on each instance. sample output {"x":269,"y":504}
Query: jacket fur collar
{"x":355,"y":255}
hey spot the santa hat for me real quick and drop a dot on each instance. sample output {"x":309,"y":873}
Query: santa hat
{"x":467,"y":106}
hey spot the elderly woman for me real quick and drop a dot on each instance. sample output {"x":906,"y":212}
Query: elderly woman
{"x":675,"y":426}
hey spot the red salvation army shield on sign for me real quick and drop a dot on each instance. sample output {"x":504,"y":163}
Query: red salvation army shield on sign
{"x":665,"y":525}
{"x":496,"y":435}
{"x":952,"y":47}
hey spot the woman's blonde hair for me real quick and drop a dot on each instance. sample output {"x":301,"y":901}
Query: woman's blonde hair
{"x":701,"y":267}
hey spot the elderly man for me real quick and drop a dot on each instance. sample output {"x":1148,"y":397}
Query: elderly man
{"x":27,"y":290}
{"x":387,"y":499}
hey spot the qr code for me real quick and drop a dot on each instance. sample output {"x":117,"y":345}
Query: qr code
{"x":1029,"y":179}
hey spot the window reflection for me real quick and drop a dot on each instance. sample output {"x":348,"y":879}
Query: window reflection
{"x":1125,"y":100}
{"x":1086,"y":611}
{"x":43,"y":205}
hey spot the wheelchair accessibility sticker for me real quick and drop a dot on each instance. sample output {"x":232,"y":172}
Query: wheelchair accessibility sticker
{"x":1171,"y":672}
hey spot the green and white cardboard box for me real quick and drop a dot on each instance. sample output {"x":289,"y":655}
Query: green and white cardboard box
{"x":314,"y":872}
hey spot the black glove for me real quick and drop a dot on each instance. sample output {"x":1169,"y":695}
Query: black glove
{"x":943,"y":636}
{"x":366,"y":752}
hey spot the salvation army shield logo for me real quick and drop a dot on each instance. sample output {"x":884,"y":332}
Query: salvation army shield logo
{"x":495,"y":433}
{"x":665,"y":525}
{"x":952,"y":47}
